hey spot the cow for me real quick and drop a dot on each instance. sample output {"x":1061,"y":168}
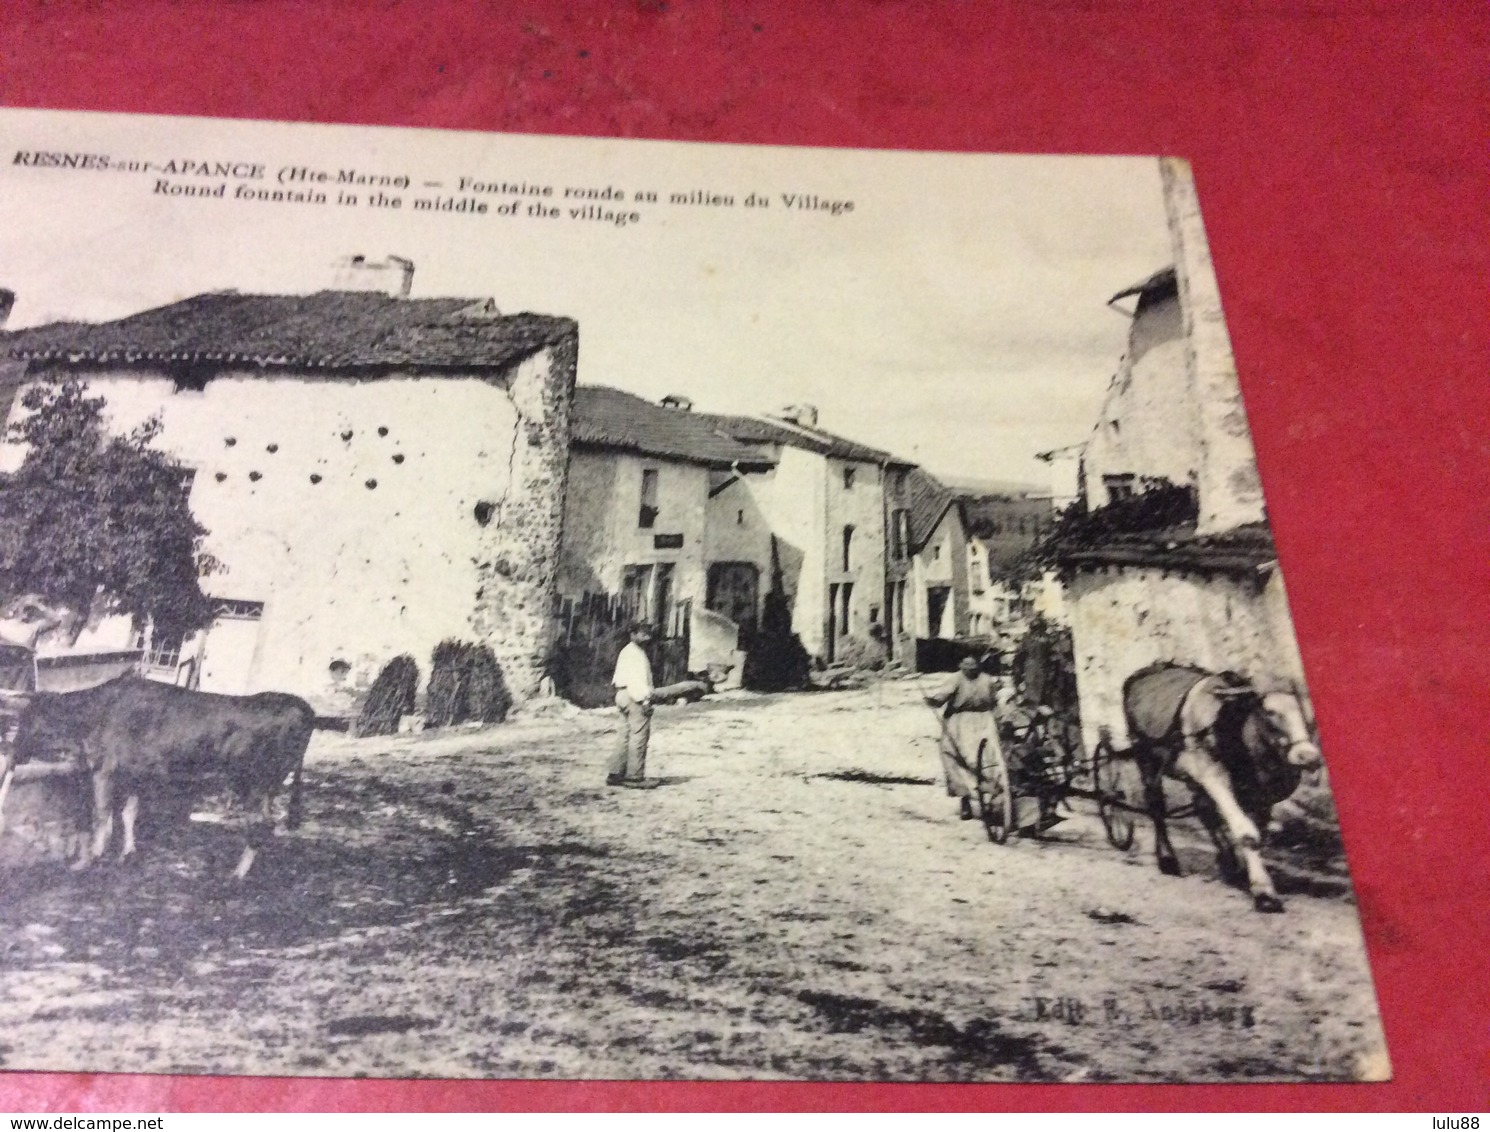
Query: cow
{"x":130,"y":738}
{"x":1241,"y":751}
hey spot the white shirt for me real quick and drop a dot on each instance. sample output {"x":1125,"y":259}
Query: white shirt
{"x":634,"y":673}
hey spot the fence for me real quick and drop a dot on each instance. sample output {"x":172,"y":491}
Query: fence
{"x":592,"y":630}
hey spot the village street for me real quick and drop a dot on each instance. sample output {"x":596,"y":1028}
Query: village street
{"x":795,"y":899}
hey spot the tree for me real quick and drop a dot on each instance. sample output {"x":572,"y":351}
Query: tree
{"x":93,"y":521}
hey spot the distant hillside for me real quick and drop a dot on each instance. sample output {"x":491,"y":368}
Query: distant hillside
{"x":976,"y":487}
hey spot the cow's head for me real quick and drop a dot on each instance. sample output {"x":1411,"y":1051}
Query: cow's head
{"x":1281,"y":719}
{"x":45,"y":732}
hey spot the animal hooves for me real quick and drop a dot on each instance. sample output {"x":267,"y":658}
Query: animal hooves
{"x":1267,"y":902}
{"x":1169,"y":868}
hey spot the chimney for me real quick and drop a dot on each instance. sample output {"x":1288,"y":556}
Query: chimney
{"x":804,"y":416}
{"x":678,"y":401}
{"x":7,"y":301}
{"x":392,"y":276}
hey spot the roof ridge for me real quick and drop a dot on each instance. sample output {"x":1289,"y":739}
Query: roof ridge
{"x":325,"y":329}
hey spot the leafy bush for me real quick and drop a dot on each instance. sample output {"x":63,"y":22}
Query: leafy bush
{"x":390,"y":698}
{"x":776,"y":661}
{"x":89,"y":518}
{"x":1158,"y":505}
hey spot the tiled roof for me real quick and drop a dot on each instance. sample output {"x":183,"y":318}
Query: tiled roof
{"x":610,"y":418}
{"x":757,"y":430}
{"x":1245,"y":549}
{"x":330,"y":330}
{"x":927,"y":500}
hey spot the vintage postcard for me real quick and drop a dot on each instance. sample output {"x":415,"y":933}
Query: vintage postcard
{"x":504,"y":606}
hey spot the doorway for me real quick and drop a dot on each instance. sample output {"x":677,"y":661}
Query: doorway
{"x":734,"y":591}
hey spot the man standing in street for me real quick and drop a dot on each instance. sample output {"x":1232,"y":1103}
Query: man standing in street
{"x":634,"y":691}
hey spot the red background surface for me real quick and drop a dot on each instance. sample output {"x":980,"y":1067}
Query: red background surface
{"x":1340,"y":154}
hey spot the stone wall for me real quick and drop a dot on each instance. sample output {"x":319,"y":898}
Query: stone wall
{"x":517,"y":551}
{"x":861,"y":506}
{"x":602,"y":531}
{"x":357,"y":519}
{"x":1124,"y":618}
{"x":943,"y":561}
{"x":1229,"y":488}
{"x":1149,"y":424}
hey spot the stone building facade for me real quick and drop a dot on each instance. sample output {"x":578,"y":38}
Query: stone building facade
{"x":1204,"y":589}
{"x":376,"y":474}
{"x":822,"y":499}
{"x":940,"y":576}
{"x":640,"y":522}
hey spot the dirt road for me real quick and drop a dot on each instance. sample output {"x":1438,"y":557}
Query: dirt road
{"x":796,"y":899}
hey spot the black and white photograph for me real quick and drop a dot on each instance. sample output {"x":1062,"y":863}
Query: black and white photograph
{"x":495,"y":606}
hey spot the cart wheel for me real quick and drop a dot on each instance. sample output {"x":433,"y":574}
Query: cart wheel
{"x":995,"y":800}
{"x":1109,"y":782}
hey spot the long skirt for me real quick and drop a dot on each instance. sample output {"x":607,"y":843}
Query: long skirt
{"x":966,"y":732}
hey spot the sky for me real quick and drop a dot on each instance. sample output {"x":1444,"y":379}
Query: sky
{"x":956,"y":315}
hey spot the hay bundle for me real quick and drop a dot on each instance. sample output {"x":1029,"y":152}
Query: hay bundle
{"x":487,"y":697}
{"x":390,"y":697}
{"x":465,"y":683}
{"x":447,"y":692}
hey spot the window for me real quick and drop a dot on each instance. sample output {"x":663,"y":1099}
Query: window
{"x":234,"y":609}
{"x":1118,"y":487}
{"x":648,"y":516}
{"x":159,"y":651}
{"x":848,"y":547}
{"x":164,"y":654}
{"x":900,"y":532}
{"x":848,"y":478}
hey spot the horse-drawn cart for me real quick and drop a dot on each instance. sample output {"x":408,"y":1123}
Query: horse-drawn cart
{"x":1040,"y":757}
{"x":1238,"y":750}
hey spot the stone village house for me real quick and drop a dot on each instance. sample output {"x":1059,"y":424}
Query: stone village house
{"x":670,"y":506}
{"x":940,"y":563}
{"x":377,"y":473}
{"x":1207,"y":592}
{"x":642,"y":479}
{"x":827,"y":514}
